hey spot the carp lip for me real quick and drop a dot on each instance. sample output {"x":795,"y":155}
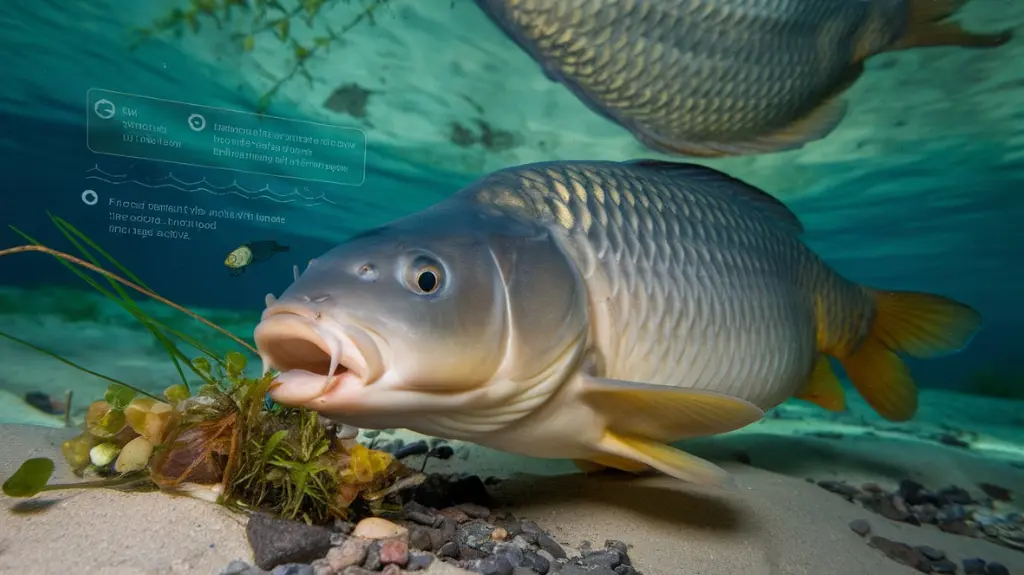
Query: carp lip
{"x":314,"y":354}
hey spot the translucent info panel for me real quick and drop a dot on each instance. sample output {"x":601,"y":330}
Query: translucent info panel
{"x":147,"y":128}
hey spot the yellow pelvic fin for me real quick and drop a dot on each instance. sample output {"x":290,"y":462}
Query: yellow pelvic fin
{"x":604,"y":461}
{"x":927,"y":26}
{"x":823,"y":387}
{"x":666,"y":413}
{"x":919,"y":324}
{"x":667,"y":460}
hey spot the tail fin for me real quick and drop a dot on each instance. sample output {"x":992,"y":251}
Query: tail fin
{"x":927,"y":26}
{"x":920,"y":325}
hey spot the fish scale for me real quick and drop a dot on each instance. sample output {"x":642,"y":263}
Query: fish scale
{"x":721,"y":77}
{"x":663,"y":257}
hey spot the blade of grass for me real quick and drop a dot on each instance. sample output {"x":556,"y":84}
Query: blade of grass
{"x":76,"y":366}
{"x":172,"y":349}
{"x":80,"y":262}
{"x":61,"y":222}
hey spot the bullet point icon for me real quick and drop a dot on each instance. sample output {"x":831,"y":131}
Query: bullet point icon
{"x":90,"y":198}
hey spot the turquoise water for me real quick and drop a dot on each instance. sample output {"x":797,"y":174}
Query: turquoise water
{"x":919,"y":188}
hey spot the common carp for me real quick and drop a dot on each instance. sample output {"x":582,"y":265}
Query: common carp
{"x":722,"y":77}
{"x":595,"y":311}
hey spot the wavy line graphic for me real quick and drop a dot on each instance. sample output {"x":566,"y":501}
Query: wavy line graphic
{"x":203,"y":185}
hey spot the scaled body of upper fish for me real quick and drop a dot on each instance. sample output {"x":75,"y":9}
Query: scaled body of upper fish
{"x":721,"y":77}
{"x":594,"y":311}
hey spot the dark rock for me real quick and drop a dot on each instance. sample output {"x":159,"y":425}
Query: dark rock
{"x":372,"y":561}
{"x":449,"y":549}
{"x":957,"y":527}
{"x":974,"y":566}
{"x":238,"y":567}
{"x":573,"y":569}
{"x":442,"y":452}
{"x":996,"y":492}
{"x":415,"y":448}
{"x":625,"y":570}
{"x":475,"y":535}
{"x":419,"y":561}
{"x":545,"y":542}
{"x":535,"y":561}
{"x":914,"y":493}
{"x":944,"y":566}
{"x":421,"y":540}
{"x":531,"y":527}
{"x":926,"y":513}
{"x":901,"y":553}
{"x":839,"y":488}
{"x":931,"y":553}
{"x":293,"y":569}
{"x":947,"y":439}
{"x":490,"y":566}
{"x":277,"y":541}
{"x":860,"y":527}
{"x":996,"y":569}
{"x":511,"y":553}
{"x":955,"y":495}
{"x":422,"y":515}
{"x":439,"y":491}
{"x":602,"y":558}
{"x":617,"y":545}
{"x":473,"y":510}
{"x":872,"y":488}
{"x":357,"y":570}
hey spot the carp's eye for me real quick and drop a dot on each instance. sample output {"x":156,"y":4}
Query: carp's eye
{"x":424,"y":276}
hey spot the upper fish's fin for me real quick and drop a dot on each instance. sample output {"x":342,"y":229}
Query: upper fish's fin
{"x":758,"y":197}
{"x":666,"y":413}
{"x":666,"y":459}
{"x":927,"y":26}
{"x":823,"y":388}
{"x":919,"y":324}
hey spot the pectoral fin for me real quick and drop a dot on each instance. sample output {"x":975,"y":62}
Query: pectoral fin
{"x":666,"y":413}
{"x":823,"y":388}
{"x":666,"y":459}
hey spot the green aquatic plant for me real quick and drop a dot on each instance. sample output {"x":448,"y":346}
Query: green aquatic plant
{"x":223,"y":443}
{"x":271,"y":19}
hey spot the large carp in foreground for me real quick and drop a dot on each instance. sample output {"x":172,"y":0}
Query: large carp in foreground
{"x":595,"y":311}
{"x":722,"y":77}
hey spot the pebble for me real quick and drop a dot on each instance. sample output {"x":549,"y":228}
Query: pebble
{"x":931,"y":553}
{"x":996,"y":569}
{"x":410,"y":449}
{"x":901,"y":553}
{"x":419,"y":561}
{"x":293,"y":569}
{"x":372,"y":560}
{"x":860,"y":527}
{"x":379,"y":528}
{"x":277,"y":541}
{"x":943,"y":566}
{"x":239,"y":567}
{"x":351,"y":552}
{"x":394,"y":552}
{"x":551,"y":546}
{"x":974,"y":566}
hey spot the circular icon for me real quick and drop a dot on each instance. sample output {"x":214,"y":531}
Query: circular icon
{"x":197,"y":123}
{"x":104,"y":109}
{"x":90,"y":198}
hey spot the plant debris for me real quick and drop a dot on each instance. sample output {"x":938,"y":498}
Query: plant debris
{"x":224,"y":443}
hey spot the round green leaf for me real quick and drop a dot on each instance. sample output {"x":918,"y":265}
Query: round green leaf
{"x":30,"y":478}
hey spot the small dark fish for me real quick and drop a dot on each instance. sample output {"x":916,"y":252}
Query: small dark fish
{"x":252,"y":253}
{"x":722,"y":77}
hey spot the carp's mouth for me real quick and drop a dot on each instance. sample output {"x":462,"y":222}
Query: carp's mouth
{"x":314,"y":355}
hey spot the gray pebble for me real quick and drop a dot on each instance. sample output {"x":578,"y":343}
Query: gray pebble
{"x":602,"y":558}
{"x":943,"y":566}
{"x":473,"y":510}
{"x":449,"y":549}
{"x":513,"y":554}
{"x":520,"y":542}
{"x":419,"y":561}
{"x":239,"y":567}
{"x":277,"y":541}
{"x":546,"y":556}
{"x":996,"y":569}
{"x":617,"y":545}
{"x":536,"y":562}
{"x":293,"y":569}
{"x":491,"y":566}
{"x":625,"y":570}
{"x":931,"y":553}
{"x":573,"y":569}
{"x":551,"y":546}
{"x":860,"y":527}
{"x":372,"y":561}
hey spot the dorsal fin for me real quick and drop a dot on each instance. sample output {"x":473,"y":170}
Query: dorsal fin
{"x":758,"y":198}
